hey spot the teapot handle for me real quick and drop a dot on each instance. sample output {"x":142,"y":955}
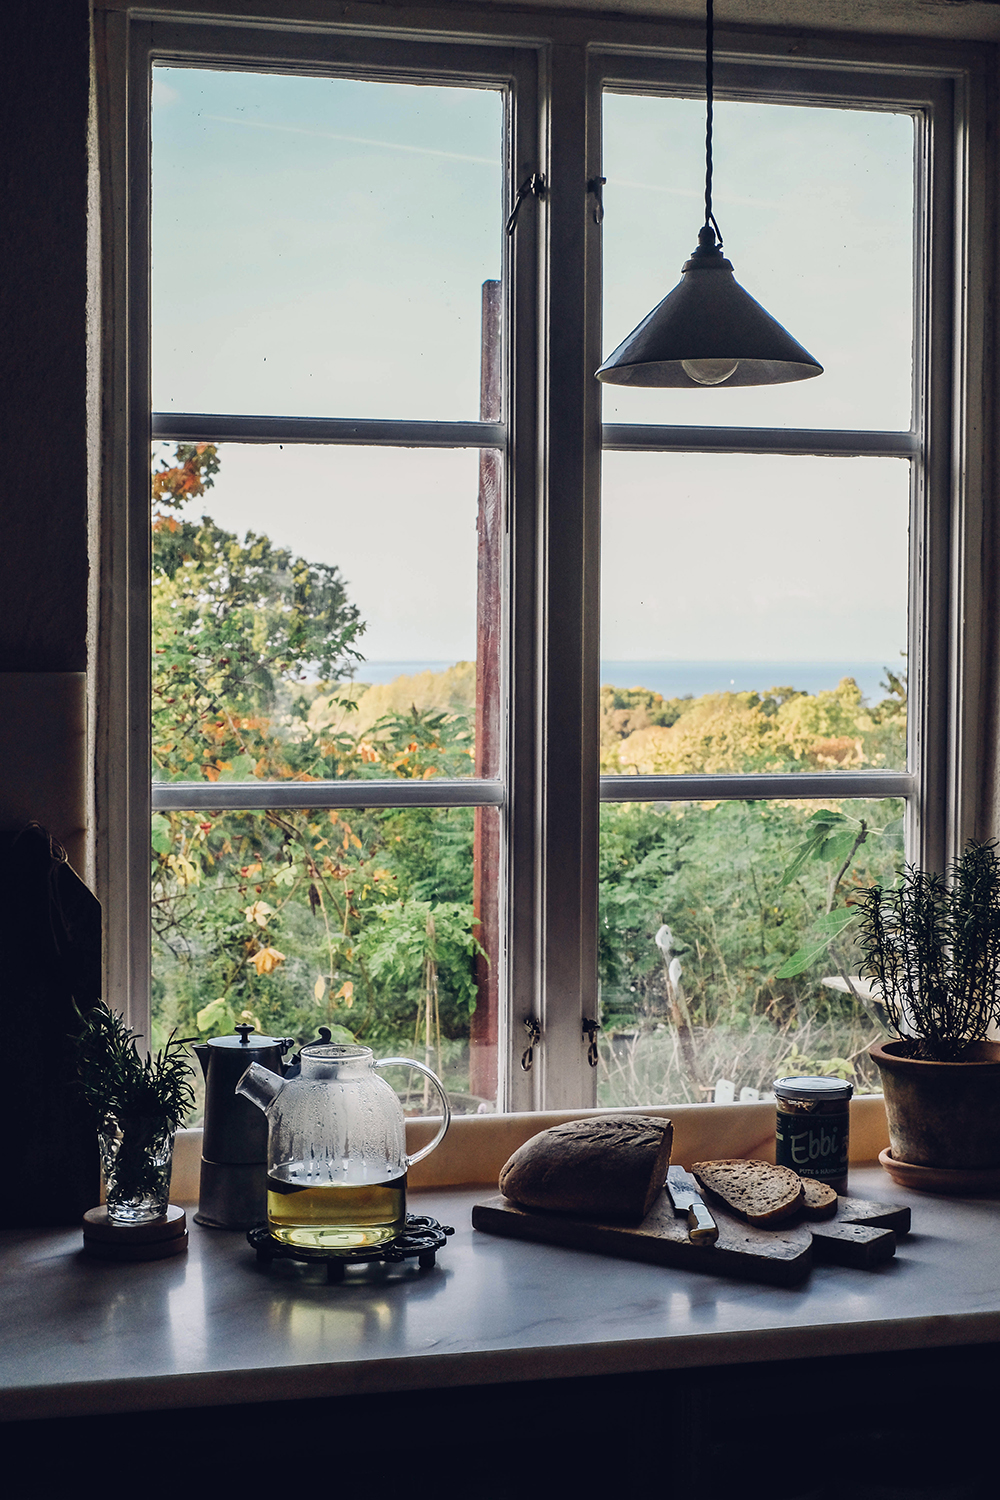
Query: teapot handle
{"x":408,"y":1062}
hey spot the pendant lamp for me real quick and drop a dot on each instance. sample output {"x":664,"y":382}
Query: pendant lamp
{"x":708,"y":330}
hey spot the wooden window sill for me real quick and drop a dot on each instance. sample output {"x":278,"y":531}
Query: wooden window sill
{"x":477,"y":1146}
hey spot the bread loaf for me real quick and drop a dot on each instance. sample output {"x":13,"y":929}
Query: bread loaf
{"x":608,"y":1166}
{"x":762,"y":1194}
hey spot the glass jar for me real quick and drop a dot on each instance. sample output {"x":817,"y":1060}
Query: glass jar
{"x":813,"y":1128}
{"x":136,"y":1157}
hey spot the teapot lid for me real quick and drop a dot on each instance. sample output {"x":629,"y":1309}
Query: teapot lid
{"x":249,"y":1038}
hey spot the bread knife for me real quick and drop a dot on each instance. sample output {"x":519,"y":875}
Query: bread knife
{"x":684,"y":1194}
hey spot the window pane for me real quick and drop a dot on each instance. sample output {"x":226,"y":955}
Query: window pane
{"x":702,"y":907}
{"x":754,"y":613}
{"x":318,"y":612}
{"x":319,"y":244}
{"x":816,"y":209}
{"x":359,"y":920}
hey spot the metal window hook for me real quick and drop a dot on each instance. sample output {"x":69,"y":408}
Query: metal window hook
{"x":590,"y":1030}
{"x":534,"y":1031}
{"x":533,"y":186}
{"x":596,"y":186}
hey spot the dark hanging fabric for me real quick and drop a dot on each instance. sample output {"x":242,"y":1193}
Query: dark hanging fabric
{"x":50,"y":957}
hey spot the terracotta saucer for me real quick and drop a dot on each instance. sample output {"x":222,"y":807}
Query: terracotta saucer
{"x":940,"y":1179}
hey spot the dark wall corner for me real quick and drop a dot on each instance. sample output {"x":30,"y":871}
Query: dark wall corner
{"x":44,"y":67}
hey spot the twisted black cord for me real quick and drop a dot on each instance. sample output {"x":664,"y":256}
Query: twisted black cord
{"x":709,"y":101}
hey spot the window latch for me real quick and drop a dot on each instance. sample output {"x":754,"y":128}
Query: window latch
{"x":533,"y":186}
{"x":534,"y":1031}
{"x":596,"y":186}
{"x":590,"y":1030}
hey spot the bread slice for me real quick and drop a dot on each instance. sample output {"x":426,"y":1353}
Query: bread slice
{"x":759,"y":1192}
{"x":820,"y":1200}
{"x":606,"y":1166}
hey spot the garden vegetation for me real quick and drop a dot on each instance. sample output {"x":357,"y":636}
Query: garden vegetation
{"x":727,"y":947}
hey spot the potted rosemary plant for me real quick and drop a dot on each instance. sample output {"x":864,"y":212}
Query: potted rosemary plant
{"x":138,"y":1103}
{"x":932,"y":950}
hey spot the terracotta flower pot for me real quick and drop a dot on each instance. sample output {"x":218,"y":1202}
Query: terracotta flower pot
{"x":942,"y":1114}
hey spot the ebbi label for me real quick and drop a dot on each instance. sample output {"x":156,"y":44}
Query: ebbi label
{"x":813,"y":1146}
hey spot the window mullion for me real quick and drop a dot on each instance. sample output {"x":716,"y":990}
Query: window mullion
{"x":929,"y":838}
{"x":636,"y":437}
{"x":521,"y":864}
{"x":717,"y":786}
{"x":568,"y":743}
{"x":228,"y":796}
{"x":203,"y":427}
{"x":971,"y":798}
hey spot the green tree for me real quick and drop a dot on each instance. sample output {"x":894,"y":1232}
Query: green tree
{"x":236,"y":625}
{"x":291,"y":919}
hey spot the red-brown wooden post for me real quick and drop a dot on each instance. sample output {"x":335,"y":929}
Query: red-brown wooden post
{"x":486,"y":846}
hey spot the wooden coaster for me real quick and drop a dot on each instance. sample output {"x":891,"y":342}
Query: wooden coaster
{"x":158,"y":1250}
{"x":154,"y":1240}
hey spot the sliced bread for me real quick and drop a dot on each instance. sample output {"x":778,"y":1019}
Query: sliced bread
{"x":820,"y":1201}
{"x":759,"y":1192}
{"x":605,"y":1166}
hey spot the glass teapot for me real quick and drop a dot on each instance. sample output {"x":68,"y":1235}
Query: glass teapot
{"x":336,"y":1148}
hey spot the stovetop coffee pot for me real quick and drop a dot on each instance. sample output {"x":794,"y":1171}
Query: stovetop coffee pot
{"x":234,"y":1148}
{"x":336,"y":1148}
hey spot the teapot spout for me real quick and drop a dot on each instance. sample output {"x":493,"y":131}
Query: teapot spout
{"x":203,"y":1053}
{"x":260,"y":1086}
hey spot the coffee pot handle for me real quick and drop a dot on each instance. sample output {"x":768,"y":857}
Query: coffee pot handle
{"x":408,"y":1062}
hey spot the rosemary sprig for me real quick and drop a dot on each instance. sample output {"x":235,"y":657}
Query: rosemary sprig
{"x":933,"y":948}
{"x":121,"y":1086}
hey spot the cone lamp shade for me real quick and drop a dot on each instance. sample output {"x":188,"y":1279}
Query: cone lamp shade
{"x":708,"y":332}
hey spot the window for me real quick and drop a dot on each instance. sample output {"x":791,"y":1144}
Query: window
{"x":758,"y":557}
{"x":336,"y":305}
{"x":327,"y":632}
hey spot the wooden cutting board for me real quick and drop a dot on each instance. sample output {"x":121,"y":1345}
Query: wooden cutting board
{"x":862,"y":1234}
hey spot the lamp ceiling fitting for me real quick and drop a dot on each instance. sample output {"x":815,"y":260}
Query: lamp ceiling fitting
{"x":708,"y":331}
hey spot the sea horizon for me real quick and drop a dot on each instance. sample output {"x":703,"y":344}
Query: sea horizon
{"x":680,"y":679}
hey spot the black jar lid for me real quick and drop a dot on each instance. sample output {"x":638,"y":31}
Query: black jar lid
{"x":810,"y":1090}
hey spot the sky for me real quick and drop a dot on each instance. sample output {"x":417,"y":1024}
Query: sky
{"x":320,"y":247}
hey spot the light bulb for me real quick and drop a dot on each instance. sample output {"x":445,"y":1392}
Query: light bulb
{"x":709,"y":371}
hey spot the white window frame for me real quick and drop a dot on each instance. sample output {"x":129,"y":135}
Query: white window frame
{"x":556,"y":66}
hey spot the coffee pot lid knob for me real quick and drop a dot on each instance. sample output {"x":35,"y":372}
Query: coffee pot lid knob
{"x":248,"y":1039}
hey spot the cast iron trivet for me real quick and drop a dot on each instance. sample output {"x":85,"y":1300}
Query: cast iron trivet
{"x":423,"y":1237}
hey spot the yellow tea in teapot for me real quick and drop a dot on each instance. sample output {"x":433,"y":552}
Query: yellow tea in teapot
{"x":335,"y":1215}
{"x":336,"y":1148}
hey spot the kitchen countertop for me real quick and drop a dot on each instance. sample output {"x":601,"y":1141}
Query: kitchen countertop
{"x":81,"y":1337}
